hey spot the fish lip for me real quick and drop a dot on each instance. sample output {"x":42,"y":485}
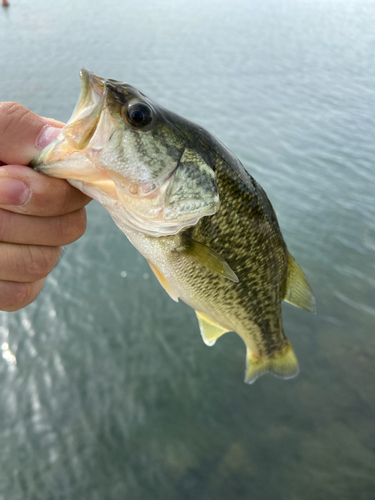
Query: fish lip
{"x":91,"y":81}
{"x":92,"y":94}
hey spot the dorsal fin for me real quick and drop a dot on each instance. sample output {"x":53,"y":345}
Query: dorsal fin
{"x":297,"y":291}
{"x":210,"y":330}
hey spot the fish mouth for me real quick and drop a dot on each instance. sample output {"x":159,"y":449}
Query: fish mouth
{"x":71,"y":156}
{"x":80,"y":128}
{"x":93,"y":90}
{"x":85,"y":118}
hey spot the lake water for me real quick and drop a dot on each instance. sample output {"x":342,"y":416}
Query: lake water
{"x":107,"y":390}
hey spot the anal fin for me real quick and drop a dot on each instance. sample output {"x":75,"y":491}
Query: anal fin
{"x":282,"y":364}
{"x":210,"y":330}
{"x":164,"y":282}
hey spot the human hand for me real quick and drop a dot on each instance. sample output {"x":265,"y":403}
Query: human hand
{"x":38,"y":214}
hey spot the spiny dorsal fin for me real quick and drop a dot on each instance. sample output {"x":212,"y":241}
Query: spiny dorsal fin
{"x":205,"y":256}
{"x":210,"y":330}
{"x":297,"y":289}
{"x":282,"y":364}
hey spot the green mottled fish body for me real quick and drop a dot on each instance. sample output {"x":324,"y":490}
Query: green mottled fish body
{"x":187,"y":204}
{"x":248,"y":307}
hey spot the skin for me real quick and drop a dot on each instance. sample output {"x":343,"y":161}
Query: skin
{"x":38,"y":214}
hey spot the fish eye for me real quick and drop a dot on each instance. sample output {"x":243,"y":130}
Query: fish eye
{"x":139,"y":114}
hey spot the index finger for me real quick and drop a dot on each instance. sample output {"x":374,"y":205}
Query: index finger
{"x":47,"y":197}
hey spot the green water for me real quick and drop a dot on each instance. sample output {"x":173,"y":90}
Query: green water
{"x":107,"y":390}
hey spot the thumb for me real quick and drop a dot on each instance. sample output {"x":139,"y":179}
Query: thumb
{"x":23,"y":133}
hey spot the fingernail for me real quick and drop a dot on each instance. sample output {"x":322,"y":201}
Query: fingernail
{"x":47,"y":135}
{"x":13,"y":192}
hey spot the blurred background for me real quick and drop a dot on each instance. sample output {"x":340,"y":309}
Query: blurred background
{"x":107,"y":390}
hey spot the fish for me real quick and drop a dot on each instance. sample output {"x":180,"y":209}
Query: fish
{"x":187,"y":204}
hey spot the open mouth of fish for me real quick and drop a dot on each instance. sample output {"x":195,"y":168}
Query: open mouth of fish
{"x":60,"y":158}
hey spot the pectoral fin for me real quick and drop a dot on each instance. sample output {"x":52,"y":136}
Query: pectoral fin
{"x":297,"y":291}
{"x":210,"y":330}
{"x":164,"y":283}
{"x":205,"y":256}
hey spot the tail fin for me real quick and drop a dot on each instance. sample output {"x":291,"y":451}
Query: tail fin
{"x":282,"y":364}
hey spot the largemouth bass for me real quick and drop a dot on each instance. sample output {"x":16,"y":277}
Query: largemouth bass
{"x":187,"y":204}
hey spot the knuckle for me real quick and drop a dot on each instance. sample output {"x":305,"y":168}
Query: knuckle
{"x":5,"y":224}
{"x":64,"y":200}
{"x":14,"y":296}
{"x":40,"y":261}
{"x":9,"y":107}
{"x":69,"y":199}
{"x":73,"y":225}
{"x":57,"y":198}
{"x":81,"y":223}
{"x":14,"y":113}
{"x":56,"y":194}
